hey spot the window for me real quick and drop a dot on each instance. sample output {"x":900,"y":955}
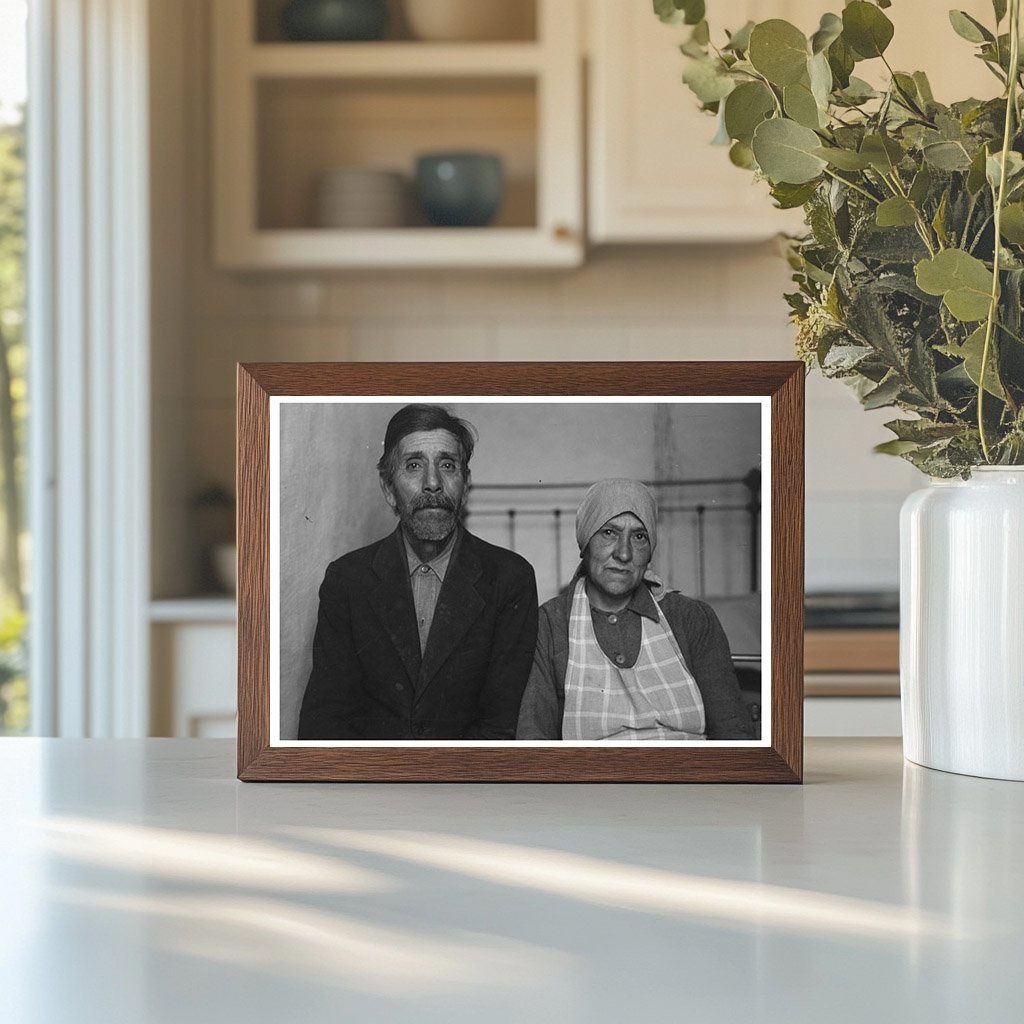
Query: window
{"x":14,"y":548}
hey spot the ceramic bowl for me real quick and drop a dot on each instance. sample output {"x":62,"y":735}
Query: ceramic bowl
{"x":470,"y":20}
{"x":460,"y":189}
{"x":334,"y":20}
{"x":361,"y":197}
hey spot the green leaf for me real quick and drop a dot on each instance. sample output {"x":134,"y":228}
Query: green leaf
{"x":963,"y":281}
{"x":921,"y":369}
{"x":994,"y":167}
{"x":883,"y":153}
{"x":841,"y":60}
{"x":785,"y":152}
{"x":694,"y":11}
{"x":924,"y":88}
{"x":921,"y":185}
{"x":997,"y":53}
{"x":668,"y":11}
{"x":866,"y":29}
{"x":820,"y":76}
{"x":1012,"y":223}
{"x":745,"y":108}
{"x":895,"y":447}
{"x":778,"y":50}
{"x":968,"y":28}
{"x":707,"y":80}
{"x":976,"y":175}
{"x":742,"y":155}
{"x":844,"y":159}
{"x":830,"y":28}
{"x":896,"y":212}
{"x":739,"y":41}
{"x":906,"y":89}
{"x":971,"y":352}
{"x":939,"y":220}
{"x":789,"y":197}
{"x":885,"y":394}
{"x":946,"y":156}
{"x":999,"y":7}
{"x":701,"y":33}
{"x":800,"y":105}
{"x":676,"y":12}
{"x":923,"y":431}
{"x":858,"y":91}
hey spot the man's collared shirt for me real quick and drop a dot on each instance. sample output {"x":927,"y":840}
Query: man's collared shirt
{"x":426,"y":579}
{"x":619,"y":634}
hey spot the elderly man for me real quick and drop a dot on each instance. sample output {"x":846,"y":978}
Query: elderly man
{"x":617,"y":657}
{"x":429,"y":633}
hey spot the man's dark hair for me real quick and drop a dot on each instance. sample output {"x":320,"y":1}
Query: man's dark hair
{"x":424,"y":417}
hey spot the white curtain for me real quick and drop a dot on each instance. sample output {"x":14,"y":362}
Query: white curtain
{"x":88,"y":318}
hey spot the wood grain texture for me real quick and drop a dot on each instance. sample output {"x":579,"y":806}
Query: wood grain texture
{"x":787,"y":582}
{"x":510,"y":762}
{"x":252,"y":487}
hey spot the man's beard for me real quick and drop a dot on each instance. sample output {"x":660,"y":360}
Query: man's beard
{"x":435,"y":524}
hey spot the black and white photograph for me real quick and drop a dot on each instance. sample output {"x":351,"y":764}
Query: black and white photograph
{"x":471,"y":570}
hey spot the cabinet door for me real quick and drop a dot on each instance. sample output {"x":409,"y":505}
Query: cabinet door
{"x":653,"y":174}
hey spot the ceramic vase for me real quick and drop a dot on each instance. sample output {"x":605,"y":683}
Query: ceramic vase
{"x":962,"y":624}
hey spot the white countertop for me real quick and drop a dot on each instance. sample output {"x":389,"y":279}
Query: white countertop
{"x":144,"y":885}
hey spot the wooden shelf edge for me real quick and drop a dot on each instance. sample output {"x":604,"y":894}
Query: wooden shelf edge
{"x":392,"y":60}
{"x":319,"y":248}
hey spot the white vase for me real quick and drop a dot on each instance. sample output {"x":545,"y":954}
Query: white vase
{"x":962,"y":624}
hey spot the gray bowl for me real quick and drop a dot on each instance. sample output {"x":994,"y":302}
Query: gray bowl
{"x":334,"y":20}
{"x":460,"y":189}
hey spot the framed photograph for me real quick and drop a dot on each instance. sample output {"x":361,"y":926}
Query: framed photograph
{"x":520,"y":572}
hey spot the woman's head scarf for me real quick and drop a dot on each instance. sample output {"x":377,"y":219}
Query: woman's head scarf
{"x":610,"y":498}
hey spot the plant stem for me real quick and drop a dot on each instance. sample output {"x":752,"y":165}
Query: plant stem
{"x":993,"y":308}
{"x":970,"y":215}
{"x":768,"y":85}
{"x":981,"y":231}
{"x":923,"y":229}
{"x":855,"y":187}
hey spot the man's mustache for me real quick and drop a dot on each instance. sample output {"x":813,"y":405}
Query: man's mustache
{"x":432,"y":501}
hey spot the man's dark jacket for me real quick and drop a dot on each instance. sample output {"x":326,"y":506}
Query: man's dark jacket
{"x":369,"y":680}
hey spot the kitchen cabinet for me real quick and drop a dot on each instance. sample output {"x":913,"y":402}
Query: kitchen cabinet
{"x":286,"y":113}
{"x":653,"y":175}
{"x":852,"y":682}
{"x":193,"y":654}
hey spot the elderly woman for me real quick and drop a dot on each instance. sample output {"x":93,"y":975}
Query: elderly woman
{"x":617,"y":657}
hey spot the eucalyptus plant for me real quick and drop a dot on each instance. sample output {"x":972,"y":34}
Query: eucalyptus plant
{"x":911,"y":275}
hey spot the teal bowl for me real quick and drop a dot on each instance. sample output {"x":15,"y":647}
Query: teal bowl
{"x":332,"y":21}
{"x":461,"y":190}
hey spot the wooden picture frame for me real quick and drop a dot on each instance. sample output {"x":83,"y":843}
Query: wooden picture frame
{"x":778,"y":389}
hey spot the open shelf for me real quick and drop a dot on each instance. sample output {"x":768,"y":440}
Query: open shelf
{"x":287,"y":113}
{"x":306,"y":128}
